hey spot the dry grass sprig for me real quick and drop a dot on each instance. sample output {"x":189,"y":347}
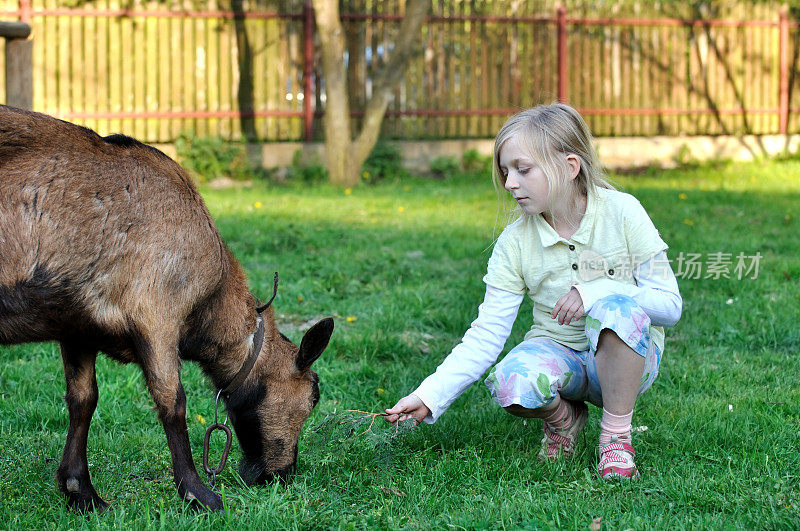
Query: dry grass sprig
{"x":360,"y":423}
{"x":366,"y":414}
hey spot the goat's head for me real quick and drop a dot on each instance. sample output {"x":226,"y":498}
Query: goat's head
{"x":269,"y":409}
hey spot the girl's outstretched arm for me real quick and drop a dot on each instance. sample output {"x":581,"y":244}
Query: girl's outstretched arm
{"x":471,"y":358}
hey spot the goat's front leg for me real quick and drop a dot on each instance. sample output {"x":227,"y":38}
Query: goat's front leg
{"x":81,"y":397}
{"x":162,"y":372}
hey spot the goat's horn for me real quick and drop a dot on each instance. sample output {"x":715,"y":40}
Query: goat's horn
{"x":274,"y":292}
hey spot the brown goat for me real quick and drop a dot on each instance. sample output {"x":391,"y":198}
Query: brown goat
{"x":107,"y":246}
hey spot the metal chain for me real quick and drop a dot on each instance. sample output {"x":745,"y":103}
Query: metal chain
{"x":214,"y":471}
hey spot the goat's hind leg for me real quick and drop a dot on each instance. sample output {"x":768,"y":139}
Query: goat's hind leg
{"x":81,"y":397}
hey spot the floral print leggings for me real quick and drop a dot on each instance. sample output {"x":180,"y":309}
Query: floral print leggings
{"x":536,"y":369}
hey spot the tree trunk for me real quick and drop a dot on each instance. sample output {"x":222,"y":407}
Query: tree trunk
{"x":345,"y":155}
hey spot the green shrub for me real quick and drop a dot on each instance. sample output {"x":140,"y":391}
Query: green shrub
{"x":683,"y":157}
{"x":384,"y":162}
{"x":442,"y":167}
{"x":209,"y":158}
{"x":309,"y":170}
{"x":473,"y":162}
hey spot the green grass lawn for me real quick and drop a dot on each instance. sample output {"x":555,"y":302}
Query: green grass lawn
{"x":399,"y":266}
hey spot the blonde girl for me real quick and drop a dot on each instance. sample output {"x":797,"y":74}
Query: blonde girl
{"x":602,"y":289}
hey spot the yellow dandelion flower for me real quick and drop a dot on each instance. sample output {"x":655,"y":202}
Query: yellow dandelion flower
{"x":347,"y":191}
{"x":257,"y":204}
{"x":200,"y":419}
{"x":351,"y":318}
{"x":401,"y":209}
{"x":688,"y":222}
{"x":299,"y":299}
{"x":407,"y":188}
{"x":682,"y":196}
{"x":381,"y":391}
{"x":365,"y":175}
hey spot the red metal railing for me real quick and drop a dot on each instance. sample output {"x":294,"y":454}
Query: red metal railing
{"x":784,"y":71}
{"x":308,"y":71}
{"x":560,"y":21}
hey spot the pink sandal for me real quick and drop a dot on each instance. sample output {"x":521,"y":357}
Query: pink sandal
{"x":616,"y":461}
{"x":562,"y":442}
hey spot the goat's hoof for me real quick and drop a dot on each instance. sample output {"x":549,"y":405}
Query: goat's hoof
{"x":203,"y":499}
{"x":88,"y":504}
{"x":82,"y":497}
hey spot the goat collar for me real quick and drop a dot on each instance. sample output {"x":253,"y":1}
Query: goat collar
{"x":240,"y":377}
{"x":258,"y":339}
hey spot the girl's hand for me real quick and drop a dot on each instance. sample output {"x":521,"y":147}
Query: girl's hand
{"x":409,"y":406}
{"x":568,"y":308}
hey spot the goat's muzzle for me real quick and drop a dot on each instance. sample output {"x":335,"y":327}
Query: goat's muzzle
{"x":255,"y":473}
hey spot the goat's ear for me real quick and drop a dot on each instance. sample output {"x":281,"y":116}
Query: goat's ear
{"x":314,"y":343}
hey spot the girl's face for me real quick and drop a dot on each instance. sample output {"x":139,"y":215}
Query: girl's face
{"x":523,"y":178}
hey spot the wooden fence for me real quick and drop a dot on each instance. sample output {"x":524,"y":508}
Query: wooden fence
{"x":244,"y":68}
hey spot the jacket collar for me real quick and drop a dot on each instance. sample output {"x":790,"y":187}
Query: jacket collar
{"x":550,"y":237}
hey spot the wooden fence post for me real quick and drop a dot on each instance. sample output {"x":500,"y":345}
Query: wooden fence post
{"x":19,"y":64}
{"x":562,"y":54}
{"x":308,"y":70}
{"x":783,"y":59}
{"x":19,"y":73}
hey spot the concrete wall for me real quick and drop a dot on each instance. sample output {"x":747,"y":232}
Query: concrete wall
{"x":616,"y":153}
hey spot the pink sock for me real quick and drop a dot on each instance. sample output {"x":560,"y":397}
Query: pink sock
{"x":619,"y":425}
{"x":561,"y":416}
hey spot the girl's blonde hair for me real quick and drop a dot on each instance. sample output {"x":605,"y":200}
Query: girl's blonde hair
{"x":545,"y":132}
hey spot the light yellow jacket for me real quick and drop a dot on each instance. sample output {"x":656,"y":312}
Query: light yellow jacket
{"x":615,"y":236}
